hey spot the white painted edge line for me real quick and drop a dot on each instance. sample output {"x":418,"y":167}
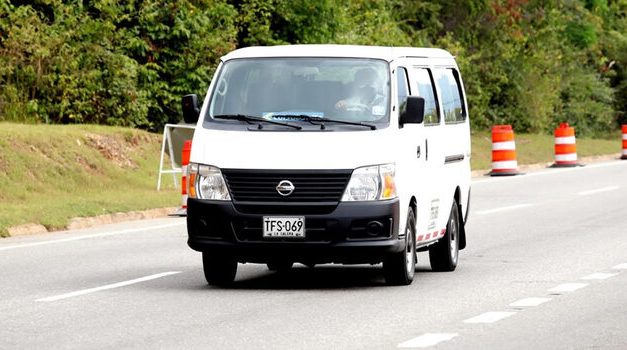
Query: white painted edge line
{"x":108,"y":286}
{"x":88,"y":236}
{"x":599,"y":276}
{"x":620,"y":267}
{"x":598,"y":190}
{"x":567,"y":287}
{"x":490,"y":317}
{"x":427,"y":340}
{"x":529,"y":302}
{"x":549,"y":172}
{"x":497,"y":210}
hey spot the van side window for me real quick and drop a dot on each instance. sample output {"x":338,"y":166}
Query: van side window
{"x":452,"y":102}
{"x":403,"y":87}
{"x":426,"y":91}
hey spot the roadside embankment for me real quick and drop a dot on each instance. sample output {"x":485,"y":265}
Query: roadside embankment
{"x":51,"y":175}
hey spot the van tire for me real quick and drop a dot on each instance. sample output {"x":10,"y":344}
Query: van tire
{"x":219,"y":269}
{"x":399,"y":268}
{"x":444,"y":255}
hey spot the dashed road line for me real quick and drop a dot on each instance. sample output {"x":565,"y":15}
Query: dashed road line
{"x":432,"y":339}
{"x":490,"y":317}
{"x":598,"y":190}
{"x":97,"y":235}
{"x":599,"y":276}
{"x":620,"y":267}
{"x":428,"y":339}
{"x":108,"y":286}
{"x":497,"y":210}
{"x":567,"y":288}
{"x":529,"y":302}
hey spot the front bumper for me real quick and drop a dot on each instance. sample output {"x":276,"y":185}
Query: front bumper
{"x":348,"y":232}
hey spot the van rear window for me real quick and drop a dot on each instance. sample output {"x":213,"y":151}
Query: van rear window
{"x":451,"y":99}
{"x":426,"y":91}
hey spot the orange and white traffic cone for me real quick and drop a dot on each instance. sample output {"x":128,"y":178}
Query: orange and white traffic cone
{"x":565,"y":147}
{"x":503,"y":151}
{"x":624,"y":155}
{"x":187,"y":150}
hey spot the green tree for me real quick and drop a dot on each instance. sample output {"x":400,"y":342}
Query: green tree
{"x":529,"y":63}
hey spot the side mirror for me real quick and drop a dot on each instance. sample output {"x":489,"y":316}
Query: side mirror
{"x":413,"y":111}
{"x":190,"y":108}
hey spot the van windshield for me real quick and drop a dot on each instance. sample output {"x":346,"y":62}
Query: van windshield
{"x":295,"y":90}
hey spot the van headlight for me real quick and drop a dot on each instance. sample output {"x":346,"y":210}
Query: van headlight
{"x":206,"y":182}
{"x":371,"y":183}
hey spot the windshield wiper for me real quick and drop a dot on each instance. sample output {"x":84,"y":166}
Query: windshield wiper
{"x":321,"y":120}
{"x":250,"y":118}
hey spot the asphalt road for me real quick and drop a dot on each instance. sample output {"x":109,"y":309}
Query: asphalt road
{"x":545,"y":268}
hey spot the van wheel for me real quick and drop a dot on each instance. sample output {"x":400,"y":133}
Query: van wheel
{"x":399,"y":268}
{"x":444,"y":255}
{"x":280,"y":265}
{"x":220,"y":269}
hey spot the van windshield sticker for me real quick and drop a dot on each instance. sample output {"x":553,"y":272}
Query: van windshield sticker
{"x":378,"y":110}
{"x":291,"y":115}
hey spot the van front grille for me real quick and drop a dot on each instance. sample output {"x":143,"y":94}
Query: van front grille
{"x":309,"y":185}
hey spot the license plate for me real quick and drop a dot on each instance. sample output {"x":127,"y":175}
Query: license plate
{"x":284,"y":226}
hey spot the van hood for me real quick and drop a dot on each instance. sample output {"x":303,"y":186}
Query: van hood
{"x":291,"y":150}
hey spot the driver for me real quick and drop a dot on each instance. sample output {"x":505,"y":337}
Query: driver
{"x":364,"y":92}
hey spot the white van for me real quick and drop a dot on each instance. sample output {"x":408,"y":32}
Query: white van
{"x":329,"y":154}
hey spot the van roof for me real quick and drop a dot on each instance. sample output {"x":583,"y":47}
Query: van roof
{"x":354,"y":51}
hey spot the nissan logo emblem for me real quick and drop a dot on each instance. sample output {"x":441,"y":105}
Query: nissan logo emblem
{"x":285,"y":188}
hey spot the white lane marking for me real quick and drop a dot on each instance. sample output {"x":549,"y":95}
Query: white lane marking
{"x":620,"y":267}
{"x":497,"y":210}
{"x":529,"y":302}
{"x":598,"y":190}
{"x":599,"y":276}
{"x":427,"y":340}
{"x":486,"y":179}
{"x":108,"y":286}
{"x":97,"y":235}
{"x":567,"y":287}
{"x":490,"y":317}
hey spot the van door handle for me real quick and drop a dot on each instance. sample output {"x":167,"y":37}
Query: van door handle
{"x":426,"y":149}
{"x":418,"y":151}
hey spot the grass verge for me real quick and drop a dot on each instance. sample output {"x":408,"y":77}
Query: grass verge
{"x":532,"y":149}
{"x":52,"y":173}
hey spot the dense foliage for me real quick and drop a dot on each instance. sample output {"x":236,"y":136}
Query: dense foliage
{"x":530,"y":63}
